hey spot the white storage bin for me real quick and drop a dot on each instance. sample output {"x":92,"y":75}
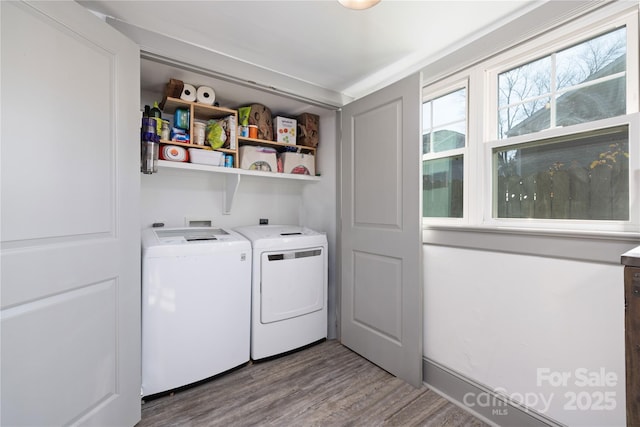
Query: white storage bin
{"x":205,"y":157}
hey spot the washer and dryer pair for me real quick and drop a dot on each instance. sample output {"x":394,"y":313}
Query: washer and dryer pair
{"x":211,"y":299}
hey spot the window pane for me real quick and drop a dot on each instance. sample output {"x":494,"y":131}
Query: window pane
{"x":525,"y":82}
{"x":584,"y":176}
{"x":525,"y":118}
{"x":449,"y":138}
{"x":590,"y":84}
{"x":450,"y":108}
{"x":599,"y":101}
{"x":426,"y":143}
{"x":444,"y":122}
{"x":442,"y":187}
{"x":599,"y":57}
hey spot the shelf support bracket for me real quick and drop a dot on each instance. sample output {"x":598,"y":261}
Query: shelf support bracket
{"x":231,"y":183}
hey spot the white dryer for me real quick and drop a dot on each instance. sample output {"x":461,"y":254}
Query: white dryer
{"x":289,"y":288}
{"x":196,"y":305}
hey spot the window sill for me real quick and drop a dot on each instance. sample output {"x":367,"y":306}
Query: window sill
{"x":593,"y":246}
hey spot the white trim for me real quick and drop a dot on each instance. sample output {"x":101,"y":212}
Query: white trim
{"x":444,"y":154}
{"x":454,"y":386}
{"x":633,"y":65}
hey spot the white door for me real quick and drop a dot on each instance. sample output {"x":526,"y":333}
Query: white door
{"x":381,"y":246}
{"x":70,"y":230}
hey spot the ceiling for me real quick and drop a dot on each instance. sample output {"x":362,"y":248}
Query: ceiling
{"x":320,"y":42}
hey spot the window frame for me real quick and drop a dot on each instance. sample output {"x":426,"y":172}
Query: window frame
{"x":482,"y":128}
{"x":588,"y":226}
{"x":429,"y":93}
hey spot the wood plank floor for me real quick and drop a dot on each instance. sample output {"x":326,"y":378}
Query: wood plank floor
{"x":323,"y":385}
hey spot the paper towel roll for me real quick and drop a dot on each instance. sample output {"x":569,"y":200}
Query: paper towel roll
{"x":188,"y":93}
{"x":205,"y":95}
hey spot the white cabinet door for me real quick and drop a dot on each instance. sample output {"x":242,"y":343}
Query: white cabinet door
{"x":70,"y":239}
{"x":381,"y":229}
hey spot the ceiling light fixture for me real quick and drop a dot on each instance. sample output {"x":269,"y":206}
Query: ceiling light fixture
{"x":358,"y":4}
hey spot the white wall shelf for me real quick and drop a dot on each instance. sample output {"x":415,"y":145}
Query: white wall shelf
{"x":232,"y":177}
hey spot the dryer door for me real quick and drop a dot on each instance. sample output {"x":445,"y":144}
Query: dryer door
{"x":292,"y":283}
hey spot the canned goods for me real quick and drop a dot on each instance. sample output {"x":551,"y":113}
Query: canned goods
{"x":228,"y":161}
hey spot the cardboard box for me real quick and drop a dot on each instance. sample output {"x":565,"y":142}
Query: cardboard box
{"x":258,"y":158}
{"x":298,"y":163}
{"x":285,"y":130}
{"x":308,"y":130}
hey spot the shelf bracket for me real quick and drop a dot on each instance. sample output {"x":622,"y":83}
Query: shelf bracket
{"x":231,"y":183}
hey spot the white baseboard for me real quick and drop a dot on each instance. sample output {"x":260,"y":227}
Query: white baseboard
{"x":494,"y":408}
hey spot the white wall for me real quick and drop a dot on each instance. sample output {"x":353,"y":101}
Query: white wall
{"x":173,"y":194}
{"x":498,"y":318}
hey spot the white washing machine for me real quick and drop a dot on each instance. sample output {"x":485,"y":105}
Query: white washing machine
{"x":289,"y":288}
{"x":196,"y":305}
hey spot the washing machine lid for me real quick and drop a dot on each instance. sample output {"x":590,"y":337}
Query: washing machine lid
{"x":269,"y":236}
{"x":188,"y":236}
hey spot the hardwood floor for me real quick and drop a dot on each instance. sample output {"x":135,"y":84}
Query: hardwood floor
{"x":323,"y":385}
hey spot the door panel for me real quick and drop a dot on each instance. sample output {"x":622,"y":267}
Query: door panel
{"x":84,"y":357}
{"x":381,"y":229}
{"x":377,"y":173}
{"x":377,"y":283}
{"x":80,"y":138}
{"x":70,"y":188}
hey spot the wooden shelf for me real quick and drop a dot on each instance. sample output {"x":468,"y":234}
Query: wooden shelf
{"x":185,"y":144}
{"x":202,"y":111}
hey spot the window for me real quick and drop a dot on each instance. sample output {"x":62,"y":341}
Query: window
{"x":542,"y":136}
{"x":444,"y":136}
{"x":578,"y":175}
